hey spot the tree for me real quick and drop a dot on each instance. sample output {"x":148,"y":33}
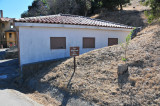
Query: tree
{"x":84,"y":5}
{"x":95,"y":5}
{"x":126,"y":44}
{"x":76,"y":7}
{"x":122,"y":2}
{"x":113,"y":4}
{"x":60,"y":6}
{"x":109,"y":4}
{"x":154,"y":12}
{"x":38,"y":8}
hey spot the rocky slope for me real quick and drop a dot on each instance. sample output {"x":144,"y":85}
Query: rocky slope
{"x":96,"y":79}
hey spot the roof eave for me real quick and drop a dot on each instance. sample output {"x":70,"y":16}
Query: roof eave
{"x":21,"y":24}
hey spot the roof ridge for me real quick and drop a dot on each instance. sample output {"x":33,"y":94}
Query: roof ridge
{"x":68,"y":14}
{"x":39,"y":16}
{"x":76,"y":16}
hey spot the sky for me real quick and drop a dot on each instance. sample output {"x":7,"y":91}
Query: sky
{"x":14,"y":8}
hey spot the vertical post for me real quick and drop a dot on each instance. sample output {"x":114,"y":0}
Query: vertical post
{"x":1,"y":13}
{"x":74,"y":63}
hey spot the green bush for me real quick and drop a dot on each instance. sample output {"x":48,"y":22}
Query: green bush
{"x":154,"y":12}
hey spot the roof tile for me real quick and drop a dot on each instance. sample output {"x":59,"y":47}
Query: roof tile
{"x":5,"y":19}
{"x":73,"y":20}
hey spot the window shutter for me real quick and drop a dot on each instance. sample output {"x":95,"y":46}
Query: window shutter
{"x":58,"y":42}
{"x":88,"y":42}
{"x":112,"y":41}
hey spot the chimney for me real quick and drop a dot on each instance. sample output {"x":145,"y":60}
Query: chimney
{"x":1,"y":13}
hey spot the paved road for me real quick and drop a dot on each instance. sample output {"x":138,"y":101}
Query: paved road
{"x":8,"y":72}
{"x":10,"y":97}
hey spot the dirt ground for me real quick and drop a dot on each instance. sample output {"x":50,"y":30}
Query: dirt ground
{"x":44,"y":99}
{"x":135,"y":5}
{"x":96,"y":78}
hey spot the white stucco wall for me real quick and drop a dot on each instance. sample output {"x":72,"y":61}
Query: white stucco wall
{"x":35,"y":41}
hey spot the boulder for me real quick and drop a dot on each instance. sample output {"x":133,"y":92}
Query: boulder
{"x":122,"y":68}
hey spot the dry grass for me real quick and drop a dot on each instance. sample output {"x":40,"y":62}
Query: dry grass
{"x":96,"y":78}
{"x":135,"y":5}
{"x":132,"y":15}
{"x":44,"y":99}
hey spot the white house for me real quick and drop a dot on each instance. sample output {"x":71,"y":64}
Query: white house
{"x":50,"y":37}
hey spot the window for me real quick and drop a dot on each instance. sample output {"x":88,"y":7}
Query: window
{"x":58,"y":42}
{"x":3,"y":25}
{"x":112,"y":41}
{"x":10,"y":35}
{"x":88,"y":42}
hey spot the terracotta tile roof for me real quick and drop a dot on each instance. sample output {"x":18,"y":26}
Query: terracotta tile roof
{"x":5,"y":19}
{"x":72,"y":20}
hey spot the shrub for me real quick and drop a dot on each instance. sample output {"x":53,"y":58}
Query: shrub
{"x":125,"y":45}
{"x":153,"y":13}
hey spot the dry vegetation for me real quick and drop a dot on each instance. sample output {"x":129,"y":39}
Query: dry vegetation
{"x":130,"y":17}
{"x":96,"y":78}
{"x":43,"y":99}
{"x":132,"y":14}
{"x":135,"y":5}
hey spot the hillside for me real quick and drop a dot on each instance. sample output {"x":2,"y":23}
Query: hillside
{"x":132,"y":14}
{"x":96,"y":79}
{"x":127,"y":17}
